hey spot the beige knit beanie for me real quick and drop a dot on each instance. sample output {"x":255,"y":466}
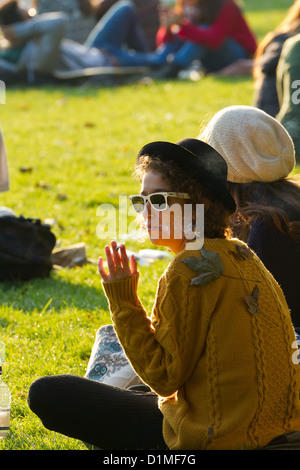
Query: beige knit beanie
{"x":255,"y":146}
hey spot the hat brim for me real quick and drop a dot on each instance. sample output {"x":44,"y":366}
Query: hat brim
{"x":200,"y":161}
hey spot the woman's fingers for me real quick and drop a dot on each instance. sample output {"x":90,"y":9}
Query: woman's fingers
{"x":102,"y":270}
{"x":117,"y":263}
{"x":124,"y":259}
{"x":116,"y":256}
{"x":130,"y":268}
{"x":133,"y":264}
{"x":110,"y":261}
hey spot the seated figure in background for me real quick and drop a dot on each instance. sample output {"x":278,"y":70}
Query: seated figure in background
{"x":213,"y":32}
{"x":81,"y":17}
{"x":147,"y":13}
{"x":288,"y":90}
{"x":266,"y":61}
{"x":38,"y":44}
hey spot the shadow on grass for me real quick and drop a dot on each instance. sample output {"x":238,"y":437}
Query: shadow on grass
{"x":81,"y":86}
{"x":54,"y":292}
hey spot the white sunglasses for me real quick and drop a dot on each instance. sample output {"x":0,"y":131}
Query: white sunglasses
{"x":159,"y":201}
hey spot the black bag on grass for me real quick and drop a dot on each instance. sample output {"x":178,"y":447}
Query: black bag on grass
{"x":25,"y":248}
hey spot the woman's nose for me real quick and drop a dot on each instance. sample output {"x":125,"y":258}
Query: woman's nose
{"x":147,"y":210}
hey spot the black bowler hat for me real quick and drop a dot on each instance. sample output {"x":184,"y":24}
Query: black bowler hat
{"x":199,"y":160}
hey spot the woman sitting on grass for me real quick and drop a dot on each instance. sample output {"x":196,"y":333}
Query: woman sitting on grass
{"x":217,"y":350}
{"x":260,"y":156}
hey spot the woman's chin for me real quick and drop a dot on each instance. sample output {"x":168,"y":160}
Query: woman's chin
{"x":155,"y":240}
{"x":159,"y":241}
{"x":155,"y":236}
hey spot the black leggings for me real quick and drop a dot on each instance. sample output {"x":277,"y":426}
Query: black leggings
{"x":107,"y":417}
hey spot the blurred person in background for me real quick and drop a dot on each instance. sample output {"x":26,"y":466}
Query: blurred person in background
{"x":38,"y":44}
{"x":213,"y":32}
{"x":288,"y":90}
{"x":81,"y":17}
{"x":266,"y":61}
{"x":147,"y":12}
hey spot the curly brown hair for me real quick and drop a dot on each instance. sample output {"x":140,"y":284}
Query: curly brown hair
{"x":216,"y":216}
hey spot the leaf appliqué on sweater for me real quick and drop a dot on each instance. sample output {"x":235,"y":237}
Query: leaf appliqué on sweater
{"x":252,"y":301}
{"x":242,"y":252}
{"x":209,"y":268}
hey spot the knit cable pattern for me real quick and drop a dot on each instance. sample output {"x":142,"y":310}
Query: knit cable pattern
{"x":272,"y":340}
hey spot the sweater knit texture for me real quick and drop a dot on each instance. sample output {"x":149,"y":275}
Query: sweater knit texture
{"x":223,"y":369}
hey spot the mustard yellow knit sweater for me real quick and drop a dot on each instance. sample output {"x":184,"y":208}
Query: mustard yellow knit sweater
{"x":217,"y":349}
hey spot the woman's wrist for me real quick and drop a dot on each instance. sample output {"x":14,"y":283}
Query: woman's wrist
{"x":124,"y":290}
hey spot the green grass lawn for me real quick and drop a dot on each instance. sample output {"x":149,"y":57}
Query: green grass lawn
{"x":80,"y":146}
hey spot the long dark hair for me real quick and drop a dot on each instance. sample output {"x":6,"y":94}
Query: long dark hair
{"x":277,"y":203}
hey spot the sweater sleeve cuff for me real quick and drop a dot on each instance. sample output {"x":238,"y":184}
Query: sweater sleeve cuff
{"x":122,"y":291}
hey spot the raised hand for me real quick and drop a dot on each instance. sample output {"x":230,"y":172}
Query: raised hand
{"x":118,"y":264}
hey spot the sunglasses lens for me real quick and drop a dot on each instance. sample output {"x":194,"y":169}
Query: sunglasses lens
{"x":138,"y":203}
{"x":158,"y":201}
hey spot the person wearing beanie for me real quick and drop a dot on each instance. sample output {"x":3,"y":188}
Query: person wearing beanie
{"x":216,"y":353}
{"x":260,"y":156}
